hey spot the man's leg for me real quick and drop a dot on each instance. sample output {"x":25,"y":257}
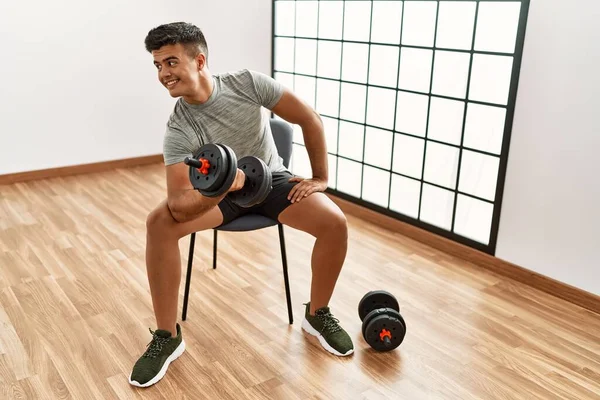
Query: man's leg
{"x":321,"y":218}
{"x":163,"y":261}
{"x":163,"y":265}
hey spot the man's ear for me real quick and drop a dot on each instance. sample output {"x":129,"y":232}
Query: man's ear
{"x":200,"y":61}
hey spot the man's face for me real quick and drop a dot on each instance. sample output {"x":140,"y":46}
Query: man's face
{"x":177,"y":71}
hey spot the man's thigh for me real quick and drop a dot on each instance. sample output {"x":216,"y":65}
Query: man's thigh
{"x":314,"y":214}
{"x":162,"y":222}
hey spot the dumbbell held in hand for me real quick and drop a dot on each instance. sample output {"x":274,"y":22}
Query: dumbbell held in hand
{"x":257,"y":185}
{"x":213,"y":172}
{"x":383,"y":327}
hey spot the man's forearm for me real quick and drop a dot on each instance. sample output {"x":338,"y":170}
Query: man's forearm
{"x":190,"y":204}
{"x":316,"y":146}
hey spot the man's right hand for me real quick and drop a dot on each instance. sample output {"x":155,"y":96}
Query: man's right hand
{"x":238,"y":182}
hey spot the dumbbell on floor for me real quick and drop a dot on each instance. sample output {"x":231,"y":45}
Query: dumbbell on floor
{"x":213,"y":170}
{"x":383,"y":327}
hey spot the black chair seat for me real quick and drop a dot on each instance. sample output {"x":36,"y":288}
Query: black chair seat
{"x":248,"y":222}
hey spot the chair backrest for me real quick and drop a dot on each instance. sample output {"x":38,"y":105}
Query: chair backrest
{"x":283,"y":133}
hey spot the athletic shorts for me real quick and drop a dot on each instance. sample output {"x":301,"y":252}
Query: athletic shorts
{"x":273,"y":205}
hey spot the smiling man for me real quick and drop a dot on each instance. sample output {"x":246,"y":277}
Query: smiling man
{"x":229,"y":108}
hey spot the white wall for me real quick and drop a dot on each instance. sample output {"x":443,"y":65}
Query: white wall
{"x":77,"y":85}
{"x":550,"y":221}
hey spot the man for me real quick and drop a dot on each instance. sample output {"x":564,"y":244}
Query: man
{"x":230,"y":109}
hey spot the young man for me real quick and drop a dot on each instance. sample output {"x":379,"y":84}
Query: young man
{"x":230,"y":109}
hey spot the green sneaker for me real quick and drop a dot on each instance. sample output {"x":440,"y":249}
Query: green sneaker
{"x":160,"y":352}
{"x":325,"y":327}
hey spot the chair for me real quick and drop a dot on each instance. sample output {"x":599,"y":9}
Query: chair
{"x":283,"y":135}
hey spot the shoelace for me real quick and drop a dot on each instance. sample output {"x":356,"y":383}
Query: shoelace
{"x":330,"y":323}
{"x":155,"y":346}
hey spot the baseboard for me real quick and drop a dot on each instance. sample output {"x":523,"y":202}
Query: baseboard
{"x":79,"y":169}
{"x":558,"y":289}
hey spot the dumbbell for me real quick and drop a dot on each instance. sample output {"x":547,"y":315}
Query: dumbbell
{"x":213,"y":169}
{"x":383,"y":327}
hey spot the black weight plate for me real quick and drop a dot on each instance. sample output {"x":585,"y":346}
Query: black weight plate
{"x":258,"y":182}
{"x":222,"y":170}
{"x":380,"y":311}
{"x":376,"y":299}
{"x":389,"y":320}
{"x":215,"y":155}
{"x":231,"y":170}
{"x":265,"y":185}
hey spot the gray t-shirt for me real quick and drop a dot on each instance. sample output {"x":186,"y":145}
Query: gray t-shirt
{"x":233,"y":115}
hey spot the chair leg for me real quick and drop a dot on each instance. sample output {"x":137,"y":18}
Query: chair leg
{"x":215,"y":249}
{"x":188,"y":276}
{"x":285,"y":274}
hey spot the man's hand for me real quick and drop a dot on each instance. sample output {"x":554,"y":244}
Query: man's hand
{"x":305,"y":188}
{"x":238,"y":182}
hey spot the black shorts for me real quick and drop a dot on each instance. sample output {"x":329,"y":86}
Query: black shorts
{"x":273,"y":205}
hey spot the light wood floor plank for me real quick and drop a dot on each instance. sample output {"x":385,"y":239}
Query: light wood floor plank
{"x":75,"y":309}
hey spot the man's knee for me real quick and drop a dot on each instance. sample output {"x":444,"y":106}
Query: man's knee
{"x":334,"y":223}
{"x":159,"y":220}
{"x":339,"y":222}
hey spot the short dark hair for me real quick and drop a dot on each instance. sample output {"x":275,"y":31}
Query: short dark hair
{"x":185,"y":33}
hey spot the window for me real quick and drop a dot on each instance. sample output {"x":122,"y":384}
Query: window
{"x":417,"y":99}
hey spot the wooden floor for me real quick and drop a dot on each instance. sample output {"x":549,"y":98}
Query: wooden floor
{"x":75,"y":311}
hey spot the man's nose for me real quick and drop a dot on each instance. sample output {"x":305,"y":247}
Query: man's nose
{"x":164,"y":73}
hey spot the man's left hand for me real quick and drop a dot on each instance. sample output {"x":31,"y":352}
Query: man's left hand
{"x":305,"y":188}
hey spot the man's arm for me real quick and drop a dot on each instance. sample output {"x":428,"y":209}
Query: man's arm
{"x":294,"y":110}
{"x":185,"y":202}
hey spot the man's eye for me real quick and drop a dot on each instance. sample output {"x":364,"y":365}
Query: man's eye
{"x":172,"y":63}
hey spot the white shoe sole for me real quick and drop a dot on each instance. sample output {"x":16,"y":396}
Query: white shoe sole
{"x":308,"y":328}
{"x":174,"y":356}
